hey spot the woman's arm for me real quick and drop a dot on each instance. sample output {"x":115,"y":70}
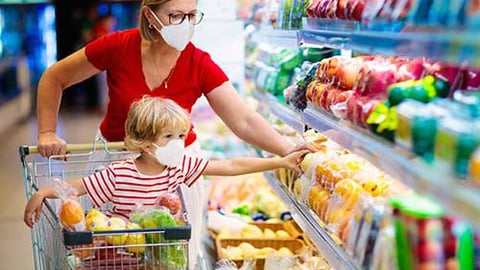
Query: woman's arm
{"x":67,"y":72}
{"x":34,"y":204}
{"x":245,"y":122}
{"x":245,"y":165}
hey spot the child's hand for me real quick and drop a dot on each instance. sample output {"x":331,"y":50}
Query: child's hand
{"x":33,"y":209}
{"x":292,"y":160}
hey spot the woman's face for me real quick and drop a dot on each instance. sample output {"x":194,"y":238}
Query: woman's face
{"x":165,"y":11}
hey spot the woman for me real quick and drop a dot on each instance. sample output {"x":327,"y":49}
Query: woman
{"x":157,"y":59}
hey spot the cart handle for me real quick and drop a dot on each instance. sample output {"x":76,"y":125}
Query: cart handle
{"x":33,"y":149}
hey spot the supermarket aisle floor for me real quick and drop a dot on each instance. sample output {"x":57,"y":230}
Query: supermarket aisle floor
{"x":15,"y":247}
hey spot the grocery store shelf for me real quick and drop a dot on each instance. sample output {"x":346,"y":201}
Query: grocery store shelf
{"x":456,"y":46}
{"x":285,"y":113}
{"x":282,"y":38}
{"x":309,"y":223}
{"x":453,"y":194}
{"x":457,"y":199}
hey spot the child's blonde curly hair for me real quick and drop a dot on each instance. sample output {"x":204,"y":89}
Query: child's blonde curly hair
{"x":148,"y":117}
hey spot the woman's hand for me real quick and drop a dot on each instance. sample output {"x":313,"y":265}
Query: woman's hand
{"x":33,"y":209}
{"x":310,"y":147}
{"x":293,"y":160}
{"x":49,"y":144}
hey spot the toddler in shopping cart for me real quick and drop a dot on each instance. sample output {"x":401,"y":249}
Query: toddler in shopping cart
{"x":156,"y":128}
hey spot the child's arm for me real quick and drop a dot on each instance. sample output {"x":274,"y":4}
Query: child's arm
{"x":34,"y":204}
{"x":244,"y":165}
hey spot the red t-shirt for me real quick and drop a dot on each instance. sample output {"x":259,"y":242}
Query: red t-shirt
{"x":119,"y":54}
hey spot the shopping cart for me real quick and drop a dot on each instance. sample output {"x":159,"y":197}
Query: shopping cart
{"x":56,"y":248}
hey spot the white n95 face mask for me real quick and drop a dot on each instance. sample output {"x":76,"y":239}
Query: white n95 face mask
{"x":171,"y":154}
{"x":176,"y":35}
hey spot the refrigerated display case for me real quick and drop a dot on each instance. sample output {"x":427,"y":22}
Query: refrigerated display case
{"x":404,"y":38}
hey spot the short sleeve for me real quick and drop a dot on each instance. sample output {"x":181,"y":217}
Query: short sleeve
{"x":101,"y":51}
{"x":100,"y":186}
{"x":211,"y":75}
{"x":193,"y":168}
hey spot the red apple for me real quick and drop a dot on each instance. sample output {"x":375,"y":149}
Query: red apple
{"x":349,"y":74}
{"x":351,"y":106}
{"x":378,"y":79}
{"x":170,"y":201}
{"x":339,"y":104}
{"x":414,"y":70}
{"x":472,"y":79}
{"x":356,"y":10}
{"x":332,"y":93}
{"x":449,"y":73}
{"x":311,"y":8}
{"x":342,"y":9}
{"x":321,"y":91}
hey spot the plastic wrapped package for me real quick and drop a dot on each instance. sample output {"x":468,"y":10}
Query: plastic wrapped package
{"x":368,"y":234}
{"x":384,"y":255}
{"x":355,"y":223}
{"x":455,"y":142}
{"x":419,"y":233}
{"x":71,"y":213}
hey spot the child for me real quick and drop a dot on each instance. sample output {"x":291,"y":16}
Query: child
{"x":156,"y":128}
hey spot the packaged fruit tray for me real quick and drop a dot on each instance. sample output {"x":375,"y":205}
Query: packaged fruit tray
{"x":236,"y":250}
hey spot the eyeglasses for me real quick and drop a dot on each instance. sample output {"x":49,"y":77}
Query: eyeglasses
{"x":194,"y":17}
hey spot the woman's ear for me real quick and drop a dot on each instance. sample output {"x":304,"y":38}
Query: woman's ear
{"x":147,"y":12}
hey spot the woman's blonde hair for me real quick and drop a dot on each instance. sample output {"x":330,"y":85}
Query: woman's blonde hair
{"x":148,"y":117}
{"x":145,"y":30}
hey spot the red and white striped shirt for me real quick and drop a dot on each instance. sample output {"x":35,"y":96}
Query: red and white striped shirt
{"x":125,"y":187}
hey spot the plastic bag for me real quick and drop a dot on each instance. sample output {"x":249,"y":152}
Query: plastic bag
{"x":229,"y":265}
{"x":171,"y":201}
{"x":278,"y":262}
{"x":72,"y":215}
{"x":225,"y":265}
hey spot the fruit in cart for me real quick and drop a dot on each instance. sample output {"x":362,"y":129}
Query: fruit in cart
{"x":155,"y":218}
{"x":93,"y":213}
{"x":72,"y":215}
{"x":82,"y":251}
{"x":171,"y":201}
{"x":96,"y":221}
{"x":135,"y":242}
{"x":116,"y":224}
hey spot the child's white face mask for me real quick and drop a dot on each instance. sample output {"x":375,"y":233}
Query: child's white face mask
{"x":171,"y":154}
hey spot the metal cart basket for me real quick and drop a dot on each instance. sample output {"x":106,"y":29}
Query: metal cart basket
{"x":56,"y":248}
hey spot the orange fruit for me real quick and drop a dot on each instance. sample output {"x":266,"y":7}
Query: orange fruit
{"x":71,"y":213}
